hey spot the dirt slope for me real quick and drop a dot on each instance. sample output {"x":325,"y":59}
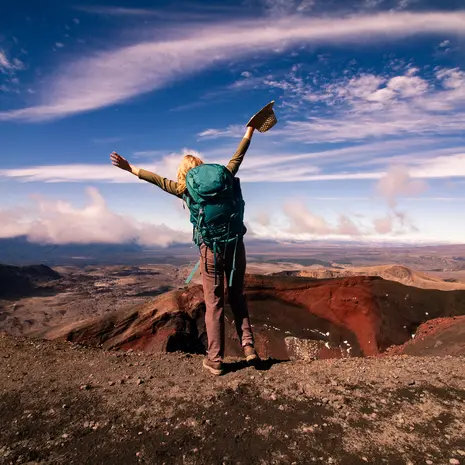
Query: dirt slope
{"x":441,"y":336}
{"x":399,"y":273}
{"x":64,"y":404}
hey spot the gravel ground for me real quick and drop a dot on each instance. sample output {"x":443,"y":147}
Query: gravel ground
{"x":61,"y":403}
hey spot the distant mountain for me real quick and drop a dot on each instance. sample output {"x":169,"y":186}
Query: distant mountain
{"x":19,"y":251}
{"x":399,"y":273}
{"x":19,"y":281}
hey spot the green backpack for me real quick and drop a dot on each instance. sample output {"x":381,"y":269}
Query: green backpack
{"x":216,"y":209}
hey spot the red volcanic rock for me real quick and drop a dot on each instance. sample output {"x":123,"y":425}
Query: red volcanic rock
{"x":172,"y":321}
{"x":346,"y":303}
{"x":361,"y":315}
{"x":438,"y":337}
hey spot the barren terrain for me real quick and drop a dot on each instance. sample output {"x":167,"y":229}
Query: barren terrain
{"x":94,"y":291}
{"x":65,"y":404}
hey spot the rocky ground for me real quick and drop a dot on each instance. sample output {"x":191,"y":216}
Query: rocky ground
{"x":61,"y":403}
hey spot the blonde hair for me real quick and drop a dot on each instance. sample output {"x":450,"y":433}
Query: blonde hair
{"x":188,"y":162}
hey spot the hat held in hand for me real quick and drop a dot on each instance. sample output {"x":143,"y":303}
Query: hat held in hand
{"x":265,"y":119}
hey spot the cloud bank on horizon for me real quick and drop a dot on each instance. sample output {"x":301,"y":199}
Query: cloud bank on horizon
{"x":370,"y":98}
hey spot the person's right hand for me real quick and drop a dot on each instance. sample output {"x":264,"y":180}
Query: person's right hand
{"x":120,"y":162}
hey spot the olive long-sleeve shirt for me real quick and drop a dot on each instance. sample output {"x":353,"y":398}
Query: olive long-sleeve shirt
{"x":172,"y":186}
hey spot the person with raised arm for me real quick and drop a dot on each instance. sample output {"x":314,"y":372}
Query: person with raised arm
{"x":213,"y":195}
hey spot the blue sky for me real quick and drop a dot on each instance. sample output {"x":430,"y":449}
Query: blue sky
{"x":370,"y":97}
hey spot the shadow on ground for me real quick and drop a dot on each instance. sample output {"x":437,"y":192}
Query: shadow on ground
{"x":261,"y":365}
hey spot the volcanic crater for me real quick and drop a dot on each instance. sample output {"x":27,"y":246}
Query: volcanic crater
{"x":355,"y":316}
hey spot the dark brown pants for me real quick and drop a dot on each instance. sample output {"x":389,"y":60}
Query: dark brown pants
{"x":214,"y":297}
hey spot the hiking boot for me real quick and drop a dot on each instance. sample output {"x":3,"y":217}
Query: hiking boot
{"x":250,"y":353}
{"x":215,"y":368}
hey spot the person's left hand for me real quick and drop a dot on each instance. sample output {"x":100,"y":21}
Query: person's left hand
{"x":120,"y":162}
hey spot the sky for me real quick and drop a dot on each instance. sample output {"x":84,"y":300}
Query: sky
{"x":370,"y":100}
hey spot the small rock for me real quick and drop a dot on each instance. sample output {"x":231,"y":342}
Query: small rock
{"x":65,"y":406}
{"x":65,"y":436}
{"x":461,"y":452}
{"x":411,"y":382}
{"x":429,"y":462}
{"x":111,"y":383}
{"x":140,"y":381}
{"x":454,"y":462}
{"x":325,"y":400}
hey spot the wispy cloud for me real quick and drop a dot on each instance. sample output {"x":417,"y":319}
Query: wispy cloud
{"x":424,"y":158}
{"x":58,"y":222}
{"x":303,"y":221}
{"x":259,"y":168}
{"x":118,"y":11}
{"x":231,"y":131}
{"x":368,"y":106}
{"x":300,"y":223}
{"x":391,"y":5}
{"x":398,"y":182}
{"x":7,"y":65}
{"x":111,"y":77}
{"x":185,"y":13}
{"x":375,"y":106}
{"x":278,"y":8}
{"x":69,"y":173}
{"x":106,"y":140}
